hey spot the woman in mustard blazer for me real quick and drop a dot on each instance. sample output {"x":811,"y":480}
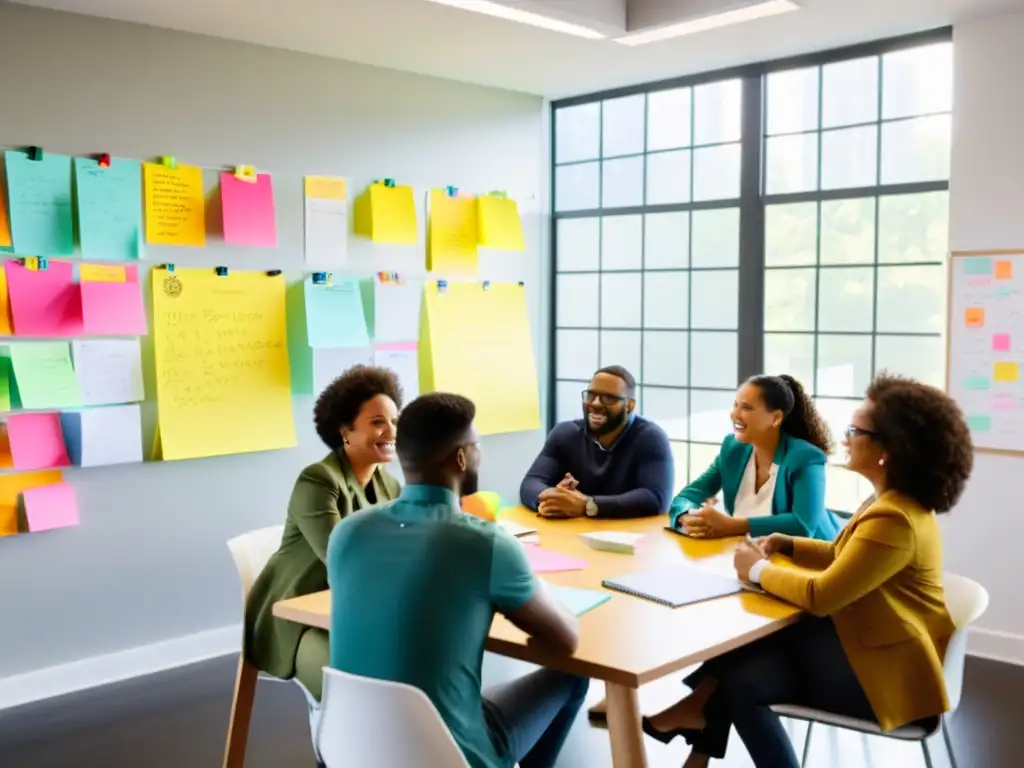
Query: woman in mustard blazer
{"x":771,"y":470}
{"x":356,"y":417}
{"x":874,"y":645}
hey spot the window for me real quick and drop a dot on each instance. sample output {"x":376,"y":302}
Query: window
{"x":786,"y":217}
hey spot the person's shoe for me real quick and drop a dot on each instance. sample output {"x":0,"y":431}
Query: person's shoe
{"x":598,"y":717}
{"x":663,"y":736}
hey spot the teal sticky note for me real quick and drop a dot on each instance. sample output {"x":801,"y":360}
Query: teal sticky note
{"x":974,"y":265}
{"x":978,"y":383}
{"x":579,"y":601}
{"x":979,"y":423}
{"x":39,"y":201}
{"x":334,"y":315}
{"x":300,"y":354}
{"x":1003,"y":291}
{"x":109,"y":209}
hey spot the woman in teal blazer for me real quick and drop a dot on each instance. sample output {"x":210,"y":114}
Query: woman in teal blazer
{"x":771,"y":470}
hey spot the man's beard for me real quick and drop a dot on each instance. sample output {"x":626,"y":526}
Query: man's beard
{"x":470,"y":484}
{"x":612,"y":421}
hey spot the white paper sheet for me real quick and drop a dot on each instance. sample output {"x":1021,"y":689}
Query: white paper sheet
{"x":109,"y":370}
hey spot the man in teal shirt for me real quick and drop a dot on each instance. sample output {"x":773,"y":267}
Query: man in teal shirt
{"x":414,"y":588}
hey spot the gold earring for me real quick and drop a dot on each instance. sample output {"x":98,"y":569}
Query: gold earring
{"x":881,"y":462}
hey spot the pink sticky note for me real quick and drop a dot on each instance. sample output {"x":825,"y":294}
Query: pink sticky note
{"x":546,"y":561}
{"x":114,"y":309}
{"x":44,"y":302}
{"x":50,"y":506}
{"x":1001,"y":342}
{"x":37,"y":441}
{"x":248,"y":210}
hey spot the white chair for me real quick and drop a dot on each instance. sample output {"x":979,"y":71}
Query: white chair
{"x":379,"y":724}
{"x":251,"y":551}
{"x":966,"y":601}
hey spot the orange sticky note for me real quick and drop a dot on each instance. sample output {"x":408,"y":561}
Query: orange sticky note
{"x":1006,"y":372}
{"x":5,"y":305}
{"x":1004,"y":270}
{"x":974,"y":317}
{"x":101,"y":273}
{"x":12,"y":486}
{"x":5,"y":223}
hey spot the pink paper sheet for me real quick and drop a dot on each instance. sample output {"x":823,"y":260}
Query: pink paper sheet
{"x":248,"y":210}
{"x":50,"y":506}
{"x":114,"y":309}
{"x":44,"y":302}
{"x":37,"y":441}
{"x":546,"y":561}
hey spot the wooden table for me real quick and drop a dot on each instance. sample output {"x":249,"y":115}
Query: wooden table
{"x":626,"y":642}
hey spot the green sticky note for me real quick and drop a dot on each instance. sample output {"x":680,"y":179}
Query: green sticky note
{"x":44,"y":375}
{"x":978,"y":383}
{"x":109,"y":209}
{"x":977,"y":266}
{"x":300,"y":354}
{"x":6,"y":377}
{"x":979,"y":423}
{"x":39,"y":201}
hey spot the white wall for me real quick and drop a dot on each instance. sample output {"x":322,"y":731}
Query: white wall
{"x":983,"y":537}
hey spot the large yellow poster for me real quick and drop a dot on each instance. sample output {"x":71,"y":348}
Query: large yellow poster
{"x":222,"y":379}
{"x":475,"y":341}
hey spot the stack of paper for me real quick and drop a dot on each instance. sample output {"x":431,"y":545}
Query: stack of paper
{"x":612,"y":541}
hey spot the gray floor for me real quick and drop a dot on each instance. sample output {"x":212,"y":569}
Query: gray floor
{"x":178,"y":719}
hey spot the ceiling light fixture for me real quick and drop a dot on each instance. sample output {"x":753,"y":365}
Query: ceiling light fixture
{"x":523,"y":17}
{"x":750,"y":13}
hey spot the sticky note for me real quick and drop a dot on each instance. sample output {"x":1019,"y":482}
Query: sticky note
{"x":109,"y":371}
{"x":5,"y":306}
{"x":1004,"y":270}
{"x":175,"y":206}
{"x":6,"y":383}
{"x":44,"y":375}
{"x":979,"y":423}
{"x":101,"y":273}
{"x":1004,"y":403}
{"x":114,"y":308}
{"x":452,"y":235}
{"x":1001,"y":342}
{"x":326,"y":221}
{"x":334,"y":314}
{"x":11,"y":488}
{"x":5,"y":223}
{"x":99,"y":437}
{"x":39,"y":199}
{"x":1003,"y":291}
{"x":549,"y":561}
{"x":248,"y":210}
{"x":978,"y":383}
{"x":109,"y":209}
{"x":387,"y":215}
{"x":33,"y":441}
{"x":500,"y":225}
{"x":977,"y":265}
{"x":974,"y":317}
{"x":50,"y":507}
{"x":44,"y":302}
{"x":1005,"y":371}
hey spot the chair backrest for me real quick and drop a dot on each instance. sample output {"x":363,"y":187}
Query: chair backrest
{"x":251,"y":551}
{"x":966,"y":601}
{"x":379,"y":724}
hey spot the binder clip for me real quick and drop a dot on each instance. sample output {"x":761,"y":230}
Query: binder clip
{"x":30,"y":263}
{"x":35,"y":153}
{"x":452,"y":191}
{"x":246,"y":173}
{"x":169,"y":161}
{"x":168,"y":267}
{"x":222,"y":271}
{"x":498,"y":193}
{"x":319,"y":278}
{"x":522,"y":284}
{"x":43,"y":263}
{"x":394,"y":278}
{"x":389,"y":183}
{"x":442,"y":286}
{"x":487,"y":285}
{"x":273,"y":272}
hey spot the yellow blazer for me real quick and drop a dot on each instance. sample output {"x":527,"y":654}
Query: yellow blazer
{"x":881,"y":582}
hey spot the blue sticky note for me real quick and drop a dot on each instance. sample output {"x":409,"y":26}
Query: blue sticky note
{"x":579,"y":601}
{"x":334,"y":315}
{"x":1003,"y":291}
{"x":71,"y":425}
{"x":109,"y":209}
{"x":39,"y":201}
{"x":977,"y":383}
{"x":977,"y":266}
{"x":979,"y":423}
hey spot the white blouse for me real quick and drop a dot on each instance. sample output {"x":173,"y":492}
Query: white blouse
{"x":750,"y":503}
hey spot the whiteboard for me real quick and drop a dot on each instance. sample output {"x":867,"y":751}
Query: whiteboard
{"x":985,"y":368}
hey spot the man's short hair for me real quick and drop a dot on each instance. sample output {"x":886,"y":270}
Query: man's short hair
{"x":621,"y":373}
{"x":431,"y":427}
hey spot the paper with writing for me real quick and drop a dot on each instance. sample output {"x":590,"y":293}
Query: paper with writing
{"x":326,"y":220}
{"x":44,"y":375}
{"x":500,"y":225}
{"x":248,"y":210}
{"x":102,"y":273}
{"x":49,"y":507}
{"x":452,"y":235}
{"x":113,"y":308}
{"x":175,"y":206}
{"x":33,"y":441}
{"x":44,"y":302}
{"x":109,"y":371}
{"x":99,"y":437}
{"x":39,"y":200}
{"x":109,"y":209}
{"x":334,"y":315}
{"x":403,"y":359}
{"x":11,"y":488}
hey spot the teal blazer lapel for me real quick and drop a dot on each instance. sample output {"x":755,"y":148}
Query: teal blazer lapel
{"x":732,"y":473}
{"x":781,"y":499}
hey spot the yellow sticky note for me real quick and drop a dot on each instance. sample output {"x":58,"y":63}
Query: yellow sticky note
{"x":452,"y":235}
{"x":175,"y":206}
{"x":5,"y":224}
{"x":500,"y":225}
{"x":326,"y":187}
{"x":1005,"y":372}
{"x":476,"y":341}
{"x":387,"y":215}
{"x":5,"y":305}
{"x":223,"y":383}
{"x":12,"y":486}
{"x":101,"y":273}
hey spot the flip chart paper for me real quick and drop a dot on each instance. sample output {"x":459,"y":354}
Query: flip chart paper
{"x":334,"y":315}
{"x":114,"y":308}
{"x":222,"y":373}
{"x":44,"y":302}
{"x":396,"y":310}
{"x":500,"y":225}
{"x":44,"y":375}
{"x":248,"y":210}
{"x":326,"y":221}
{"x":34,"y":441}
{"x":387,"y":215}
{"x":329,"y":364}
{"x":49,"y":507}
{"x":548,"y":561}
{"x":39,"y":198}
{"x":11,"y":488}
{"x":102,"y":273}
{"x":5,"y":304}
{"x":109,"y":209}
{"x":109,"y":371}
{"x":476,"y":341}
{"x":5,"y":224}
{"x":403,"y":359}
{"x":175,"y":206}
{"x":452,"y":235}
{"x":103,"y":436}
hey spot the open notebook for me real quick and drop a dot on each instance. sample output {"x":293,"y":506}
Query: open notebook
{"x":678,"y":585}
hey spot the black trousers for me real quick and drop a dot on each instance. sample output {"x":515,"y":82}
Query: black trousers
{"x":803,"y":665}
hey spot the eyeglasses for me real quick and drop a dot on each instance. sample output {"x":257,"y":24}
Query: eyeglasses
{"x":606,"y":400}
{"x":852,"y":432}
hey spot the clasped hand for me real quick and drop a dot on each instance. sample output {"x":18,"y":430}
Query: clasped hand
{"x":750,"y":551}
{"x":709,"y":522}
{"x":564,"y":500}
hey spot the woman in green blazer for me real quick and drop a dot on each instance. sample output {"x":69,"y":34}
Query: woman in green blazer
{"x":771,"y":470}
{"x":356,"y":417}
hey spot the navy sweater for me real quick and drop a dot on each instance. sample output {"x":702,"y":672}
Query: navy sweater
{"x":636,"y":478}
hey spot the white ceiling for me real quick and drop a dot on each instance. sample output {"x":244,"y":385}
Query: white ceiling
{"x":432,"y":39}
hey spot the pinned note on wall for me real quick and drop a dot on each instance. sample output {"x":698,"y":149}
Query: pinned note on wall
{"x":6,"y":384}
{"x":334,"y":314}
{"x":386,"y":213}
{"x":11,"y":488}
{"x":452,"y":234}
{"x":109,"y":209}
{"x":247,"y":205}
{"x":39,"y":200}
{"x":326,"y":221}
{"x":5,"y":306}
{"x":500,"y":225}
{"x":44,"y":375}
{"x":99,"y":437}
{"x":109,"y":371}
{"x":110,"y":306}
{"x":5,"y":222}
{"x":1005,"y":371}
{"x":44,"y":302}
{"x":329,"y":364}
{"x":394,"y":308}
{"x":32,"y":441}
{"x":175,"y":205}
{"x":403,"y":359}
{"x":49,"y":507}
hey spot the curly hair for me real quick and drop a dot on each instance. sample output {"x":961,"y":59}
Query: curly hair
{"x":926,"y":437}
{"x":339,"y":404}
{"x":800,"y":418}
{"x":431,"y":426}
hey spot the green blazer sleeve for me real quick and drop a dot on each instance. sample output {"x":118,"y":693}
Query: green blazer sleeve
{"x":318,"y":502}
{"x":808,"y":504}
{"x":696,"y":493}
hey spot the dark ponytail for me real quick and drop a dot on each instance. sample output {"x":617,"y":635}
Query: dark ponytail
{"x":800,"y":418}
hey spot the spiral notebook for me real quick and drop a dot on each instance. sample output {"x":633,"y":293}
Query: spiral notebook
{"x":676,"y":586}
